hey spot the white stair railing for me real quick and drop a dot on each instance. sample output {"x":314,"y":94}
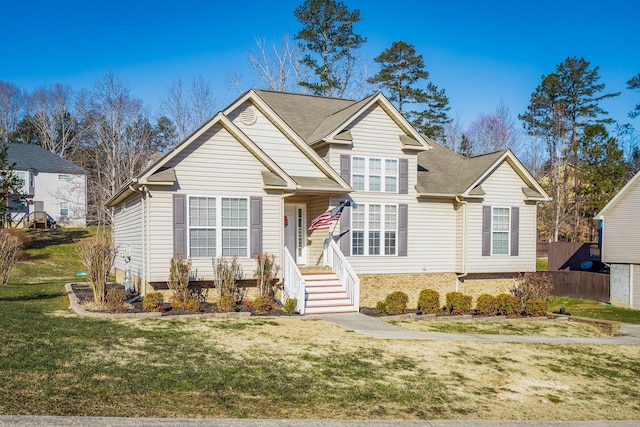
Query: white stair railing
{"x":294,"y":286}
{"x":334,"y":258}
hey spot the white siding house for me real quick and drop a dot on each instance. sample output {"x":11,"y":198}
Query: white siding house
{"x":621,"y":244}
{"x":253,"y":179}
{"x":52,"y":185}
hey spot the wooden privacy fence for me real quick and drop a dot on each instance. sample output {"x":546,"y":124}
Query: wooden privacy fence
{"x":580,"y":284}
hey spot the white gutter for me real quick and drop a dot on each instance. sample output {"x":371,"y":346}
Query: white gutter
{"x":147,"y":240}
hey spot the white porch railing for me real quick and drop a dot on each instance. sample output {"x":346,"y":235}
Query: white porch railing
{"x":294,"y":286}
{"x":334,"y":258}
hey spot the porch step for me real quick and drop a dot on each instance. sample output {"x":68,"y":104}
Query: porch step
{"x":325,"y":295}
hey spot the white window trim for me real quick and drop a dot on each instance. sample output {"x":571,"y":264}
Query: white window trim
{"x":383,"y":175}
{"x":382,"y":229}
{"x":60,"y":208}
{"x":508,"y":231}
{"x":218,"y":227}
{"x":64,"y":177}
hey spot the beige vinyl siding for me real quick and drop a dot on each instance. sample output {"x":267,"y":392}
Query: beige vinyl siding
{"x":621,"y":232}
{"x":315,"y":239}
{"x":279,"y":148}
{"x":431,"y":245}
{"x":215,"y":165}
{"x":127,"y":233}
{"x":503,"y":188}
{"x":635,"y":286}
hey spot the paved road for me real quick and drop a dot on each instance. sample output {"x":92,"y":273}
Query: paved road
{"x":376,"y":328}
{"x":182,"y":422}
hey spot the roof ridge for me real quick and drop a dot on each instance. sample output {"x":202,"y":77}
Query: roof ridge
{"x":303,"y":94}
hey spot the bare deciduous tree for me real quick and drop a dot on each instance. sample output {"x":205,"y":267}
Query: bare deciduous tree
{"x":493,"y":132}
{"x":11,"y":106}
{"x":277,"y":66}
{"x":188,"y":110}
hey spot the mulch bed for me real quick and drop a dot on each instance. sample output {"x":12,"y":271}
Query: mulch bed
{"x":85,"y":295}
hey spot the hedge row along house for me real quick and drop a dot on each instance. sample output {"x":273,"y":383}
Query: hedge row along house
{"x":254,"y":177}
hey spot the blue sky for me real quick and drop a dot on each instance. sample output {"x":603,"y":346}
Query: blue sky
{"x":479,"y":52}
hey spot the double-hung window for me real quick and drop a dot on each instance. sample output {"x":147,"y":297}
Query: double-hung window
{"x":64,"y":208}
{"x":500,"y":227}
{"x":374,"y":174}
{"x":374,"y":229}
{"x":218,"y":226}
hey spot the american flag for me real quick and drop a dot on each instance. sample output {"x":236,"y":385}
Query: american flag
{"x":324,"y":221}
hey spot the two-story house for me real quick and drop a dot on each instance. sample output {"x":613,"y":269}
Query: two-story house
{"x":254,"y":177}
{"x":51,"y":187}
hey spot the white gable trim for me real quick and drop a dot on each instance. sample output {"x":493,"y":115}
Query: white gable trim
{"x":520,"y":169}
{"x":386,"y":105}
{"x":619,"y":195}
{"x":290,"y":134}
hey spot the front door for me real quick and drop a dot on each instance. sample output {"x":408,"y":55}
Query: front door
{"x":295,"y":232}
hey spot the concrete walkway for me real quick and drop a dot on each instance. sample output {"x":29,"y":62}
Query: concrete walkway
{"x":179,"y":422}
{"x":376,"y":328}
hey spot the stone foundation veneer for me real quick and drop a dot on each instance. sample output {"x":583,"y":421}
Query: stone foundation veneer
{"x":375,"y":287}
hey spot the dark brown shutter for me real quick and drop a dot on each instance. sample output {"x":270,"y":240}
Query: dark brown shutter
{"x":345,"y":167}
{"x":345,"y":236}
{"x":403,"y":176}
{"x":486,"y":230}
{"x":403,"y":228}
{"x":256,"y":225}
{"x":180,"y":225}
{"x":515,"y":227}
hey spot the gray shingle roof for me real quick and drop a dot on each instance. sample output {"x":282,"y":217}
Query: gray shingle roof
{"x":311,"y":117}
{"x":444,"y":172}
{"x":33,"y":157}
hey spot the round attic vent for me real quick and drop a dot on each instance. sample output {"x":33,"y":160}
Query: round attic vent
{"x":248,"y":116}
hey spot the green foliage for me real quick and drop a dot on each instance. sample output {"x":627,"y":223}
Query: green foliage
{"x":396,"y":302}
{"x":291,"y":306}
{"x":115,"y":300}
{"x":381,"y":307}
{"x":10,"y":186}
{"x":508,"y":305}
{"x":532,"y":285}
{"x":10,"y":245}
{"x":266,"y":274}
{"x":432,"y":119}
{"x":179,"y":281}
{"x":458,"y":303}
{"x":634,"y":83}
{"x":536,"y":307}
{"x":227,"y":303}
{"x":152,"y":301}
{"x":192,"y":305}
{"x":98,"y":255}
{"x":486,"y":305}
{"x":428,"y":301}
{"x":328,"y":43}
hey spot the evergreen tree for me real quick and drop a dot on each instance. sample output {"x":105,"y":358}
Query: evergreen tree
{"x":602,"y":170}
{"x":400,"y":69}
{"x":10,"y":186}
{"x":465,"y":146}
{"x":328,"y":35}
{"x":634,"y":83}
{"x":561,"y":106}
{"x":432,"y":120}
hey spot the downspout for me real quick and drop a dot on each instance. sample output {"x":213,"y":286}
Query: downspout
{"x":147,"y":242}
{"x":464,"y":273}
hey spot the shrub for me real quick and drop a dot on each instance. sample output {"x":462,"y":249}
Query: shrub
{"x":98,"y":255}
{"x":179,"y":281}
{"x":532,"y":286}
{"x":227,"y":303}
{"x":397,"y":302}
{"x":291,"y":306}
{"x":458,"y":303}
{"x":115,"y":300}
{"x":262,"y":304}
{"x":428,"y":301}
{"x":10,"y":246}
{"x":381,"y":307}
{"x":152,"y":301}
{"x":193,"y":305}
{"x":508,"y":305}
{"x":487,"y":305}
{"x":226,"y":274}
{"x":265,"y":274}
{"x":536,"y":307}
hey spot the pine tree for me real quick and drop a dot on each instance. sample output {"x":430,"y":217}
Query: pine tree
{"x":328,"y":35}
{"x":10,"y":186}
{"x":634,"y":83}
{"x":432,"y":120}
{"x":465,"y":146}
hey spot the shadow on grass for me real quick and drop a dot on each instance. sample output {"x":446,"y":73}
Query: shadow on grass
{"x":33,"y":297}
{"x":43,"y":238}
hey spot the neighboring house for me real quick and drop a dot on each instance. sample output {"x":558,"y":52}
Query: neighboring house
{"x":51,"y":185}
{"x":621,"y":244}
{"x":254,"y":177}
